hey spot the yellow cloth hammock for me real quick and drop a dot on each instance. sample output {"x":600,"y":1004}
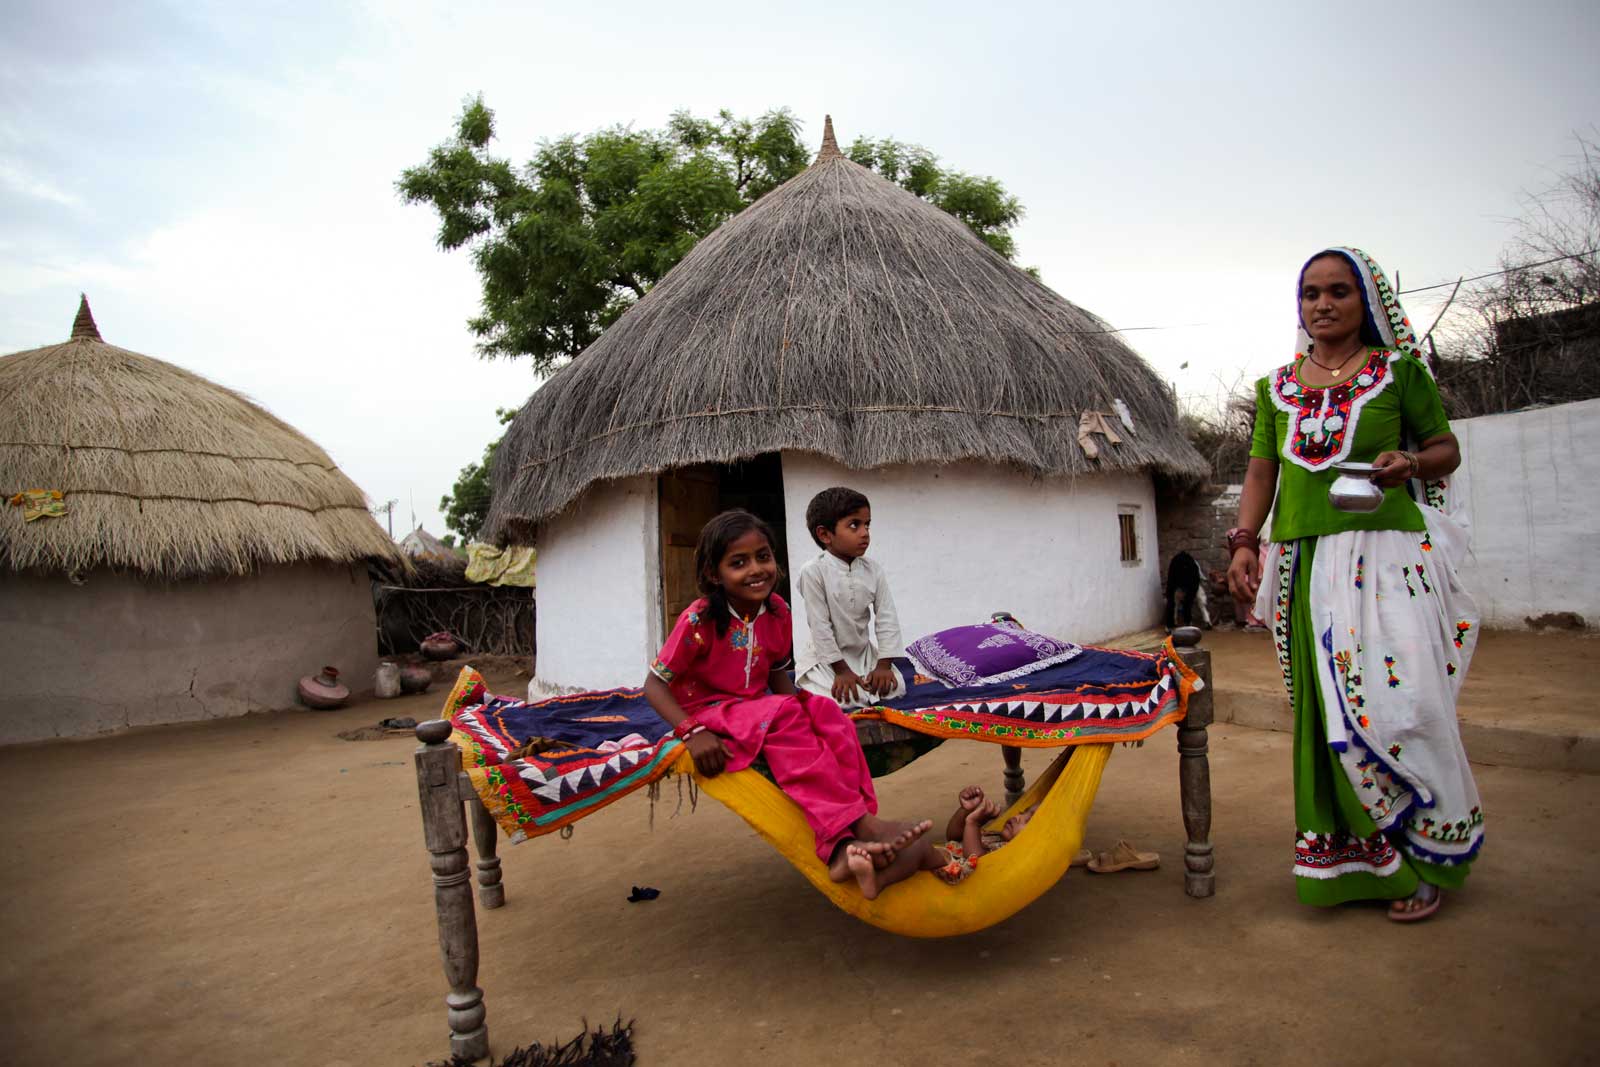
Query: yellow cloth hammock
{"x":1005,"y":881}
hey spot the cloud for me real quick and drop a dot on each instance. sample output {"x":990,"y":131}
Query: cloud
{"x":17,"y":180}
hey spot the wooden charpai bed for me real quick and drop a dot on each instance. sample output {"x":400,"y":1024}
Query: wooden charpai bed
{"x":450,"y":804}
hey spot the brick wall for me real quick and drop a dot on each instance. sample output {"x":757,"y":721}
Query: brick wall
{"x":1197,"y":523}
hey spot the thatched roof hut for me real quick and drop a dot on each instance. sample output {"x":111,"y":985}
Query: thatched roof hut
{"x":166,"y":474}
{"x":208,"y":554}
{"x":843,"y":316}
{"x":838,"y":331}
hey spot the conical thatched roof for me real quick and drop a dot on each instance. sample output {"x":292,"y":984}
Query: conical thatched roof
{"x":163,"y":472}
{"x":840,"y":315}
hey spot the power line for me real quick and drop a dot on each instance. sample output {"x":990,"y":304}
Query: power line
{"x":1497,"y":273}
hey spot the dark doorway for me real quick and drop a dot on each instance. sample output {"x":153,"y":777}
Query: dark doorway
{"x":690,"y":496}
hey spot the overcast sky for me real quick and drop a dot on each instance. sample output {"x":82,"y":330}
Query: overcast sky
{"x":219,"y":178}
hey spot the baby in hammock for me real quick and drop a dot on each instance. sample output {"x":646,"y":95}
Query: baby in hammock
{"x":965,"y":837}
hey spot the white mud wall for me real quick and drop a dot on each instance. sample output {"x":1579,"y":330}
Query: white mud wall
{"x":1530,"y":481}
{"x":599,"y":618}
{"x":963,"y":541}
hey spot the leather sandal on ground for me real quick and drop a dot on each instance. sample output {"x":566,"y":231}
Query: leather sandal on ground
{"x":1124,"y":857}
{"x":1416,"y":915}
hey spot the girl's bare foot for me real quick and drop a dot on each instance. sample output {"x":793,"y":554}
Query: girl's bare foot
{"x":910,"y":834}
{"x":839,"y":868}
{"x":860,"y":864}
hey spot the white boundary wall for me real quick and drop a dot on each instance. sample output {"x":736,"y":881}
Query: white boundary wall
{"x":599,"y":594}
{"x":1531,"y":483}
{"x":962,"y":541}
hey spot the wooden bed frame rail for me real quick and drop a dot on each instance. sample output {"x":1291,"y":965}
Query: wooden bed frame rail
{"x":450,"y":807}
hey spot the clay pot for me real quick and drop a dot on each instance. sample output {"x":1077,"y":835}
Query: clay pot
{"x":415,"y":679}
{"x":386,"y":683}
{"x":440,"y":646}
{"x":323,"y":691}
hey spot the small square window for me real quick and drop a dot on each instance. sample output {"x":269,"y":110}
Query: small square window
{"x":1128,"y":531}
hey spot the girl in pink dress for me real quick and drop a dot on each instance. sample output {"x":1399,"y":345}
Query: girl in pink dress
{"x":722,"y":682}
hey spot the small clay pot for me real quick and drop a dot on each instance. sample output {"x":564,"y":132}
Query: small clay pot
{"x":415,"y":679}
{"x":323,"y":691}
{"x":440,"y":646}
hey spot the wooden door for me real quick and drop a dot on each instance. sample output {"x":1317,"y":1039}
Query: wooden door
{"x":689,"y":498}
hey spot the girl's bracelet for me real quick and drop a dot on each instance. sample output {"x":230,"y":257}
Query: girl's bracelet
{"x":687,"y":729}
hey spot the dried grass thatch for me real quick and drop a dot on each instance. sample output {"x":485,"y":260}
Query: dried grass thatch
{"x":839,"y":315}
{"x":164,"y":473}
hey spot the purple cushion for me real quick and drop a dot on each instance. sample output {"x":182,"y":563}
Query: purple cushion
{"x":988,"y":652}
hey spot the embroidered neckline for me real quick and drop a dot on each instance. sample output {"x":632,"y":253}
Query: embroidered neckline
{"x":1322,"y":419}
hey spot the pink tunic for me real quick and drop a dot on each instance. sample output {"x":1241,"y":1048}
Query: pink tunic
{"x":809,"y":744}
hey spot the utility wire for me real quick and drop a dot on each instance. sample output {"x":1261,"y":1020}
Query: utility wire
{"x":1497,"y":273}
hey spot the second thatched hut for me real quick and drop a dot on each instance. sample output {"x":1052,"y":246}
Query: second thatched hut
{"x":184,"y":555}
{"x":841,"y":331}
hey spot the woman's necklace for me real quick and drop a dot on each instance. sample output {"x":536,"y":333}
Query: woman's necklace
{"x":1336,"y":368}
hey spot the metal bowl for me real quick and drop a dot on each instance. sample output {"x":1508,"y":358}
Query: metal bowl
{"x":1354,"y":489}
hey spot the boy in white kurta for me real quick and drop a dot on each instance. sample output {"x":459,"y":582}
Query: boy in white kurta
{"x":855,"y":634}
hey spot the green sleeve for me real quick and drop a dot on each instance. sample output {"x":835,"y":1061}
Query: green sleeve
{"x":1421,"y":411}
{"x":1264,"y":439}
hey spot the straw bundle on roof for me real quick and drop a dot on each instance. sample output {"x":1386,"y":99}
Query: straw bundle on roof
{"x":840,"y":315}
{"x":164,"y":473}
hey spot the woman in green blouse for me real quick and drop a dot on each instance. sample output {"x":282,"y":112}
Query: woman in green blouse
{"x":1373,"y":630}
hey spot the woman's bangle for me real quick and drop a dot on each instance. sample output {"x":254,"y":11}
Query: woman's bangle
{"x":1416,"y":465}
{"x":1239,"y":537}
{"x":687,"y":729}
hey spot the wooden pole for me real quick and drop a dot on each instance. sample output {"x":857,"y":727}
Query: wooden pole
{"x":444,"y":829}
{"x":1015,"y":782}
{"x":486,"y":835}
{"x":1194,"y":769}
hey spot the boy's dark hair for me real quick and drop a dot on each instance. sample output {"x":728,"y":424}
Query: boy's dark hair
{"x":829,"y":506}
{"x":715,"y":537}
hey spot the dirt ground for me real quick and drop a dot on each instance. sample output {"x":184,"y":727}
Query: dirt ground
{"x":256,"y":890}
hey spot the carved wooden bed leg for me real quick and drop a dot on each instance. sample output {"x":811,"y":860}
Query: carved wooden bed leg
{"x":1194,"y":769}
{"x":444,"y":828}
{"x":486,"y":835}
{"x":1015,"y":783}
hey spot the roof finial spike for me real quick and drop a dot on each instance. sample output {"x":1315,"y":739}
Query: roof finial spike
{"x":830,"y":147}
{"x":83,"y":327}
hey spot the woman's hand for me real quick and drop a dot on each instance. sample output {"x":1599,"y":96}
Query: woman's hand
{"x":1244,"y":574}
{"x":845,"y":684}
{"x":1394,"y":468}
{"x":709,"y":752}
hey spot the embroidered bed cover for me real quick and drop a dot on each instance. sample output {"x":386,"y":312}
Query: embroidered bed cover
{"x":542,"y":766}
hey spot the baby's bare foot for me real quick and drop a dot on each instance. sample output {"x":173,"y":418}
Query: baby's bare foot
{"x":860,"y":863}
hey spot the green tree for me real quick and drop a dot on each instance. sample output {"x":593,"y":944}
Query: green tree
{"x":466,"y":506}
{"x":569,"y":241}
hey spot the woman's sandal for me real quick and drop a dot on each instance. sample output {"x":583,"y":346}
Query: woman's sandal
{"x":1398,"y":912}
{"x":1124,"y":857}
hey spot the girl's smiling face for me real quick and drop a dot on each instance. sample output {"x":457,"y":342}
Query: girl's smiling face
{"x":747,"y":572}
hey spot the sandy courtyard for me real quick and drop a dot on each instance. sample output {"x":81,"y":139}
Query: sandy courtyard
{"x":256,"y":890}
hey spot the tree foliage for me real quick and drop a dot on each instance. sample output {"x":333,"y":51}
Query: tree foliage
{"x":567,"y":242}
{"x":1532,"y":332}
{"x":466,"y":506}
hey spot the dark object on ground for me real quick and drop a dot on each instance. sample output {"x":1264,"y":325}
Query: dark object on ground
{"x":1185,"y":595}
{"x":642,"y":892}
{"x":600,"y":1047}
{"x":1556,"y":620}
{"x":440,"y":645}
{"x":402,"y":726}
